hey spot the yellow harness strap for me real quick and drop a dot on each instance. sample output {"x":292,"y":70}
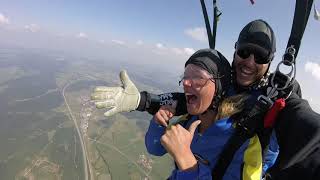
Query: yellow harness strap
{"x":252,"y":169}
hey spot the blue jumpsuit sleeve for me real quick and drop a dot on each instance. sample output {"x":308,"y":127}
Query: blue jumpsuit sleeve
{"x":272,"y":153}
{"x":202,"y":172}
{"x":152,"y":139}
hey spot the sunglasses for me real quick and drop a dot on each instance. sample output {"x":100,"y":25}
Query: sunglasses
{"x":260,"y":57}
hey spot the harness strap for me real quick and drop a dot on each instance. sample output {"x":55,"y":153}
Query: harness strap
{"x":271,"y":116}
{"x":300,"y":19}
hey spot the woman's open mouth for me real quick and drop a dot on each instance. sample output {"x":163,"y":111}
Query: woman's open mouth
{"x":191,"y":98}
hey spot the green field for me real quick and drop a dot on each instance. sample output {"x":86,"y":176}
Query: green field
{"x":37,"y":132}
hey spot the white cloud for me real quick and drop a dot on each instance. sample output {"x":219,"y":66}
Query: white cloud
{"x":313,"y":68}
{"x":189,"y":51}
{"x":32,"y":27}
{"x":102,"y":41}
{"x":160,"y":49}
{"x":4,"y":19}
{"x":183,"y":51}
{"x":160,"y":46}
{"x":82,"y":35}
{"x":118,"y":42}
{"x":139,"y":42}
{"x":198,"y":33}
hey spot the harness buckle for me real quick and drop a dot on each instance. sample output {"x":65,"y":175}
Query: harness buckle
{"x":289,"y":56}
{"x":265,"y":101}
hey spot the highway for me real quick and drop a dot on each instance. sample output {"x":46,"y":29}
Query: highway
{"x":86,"y":161}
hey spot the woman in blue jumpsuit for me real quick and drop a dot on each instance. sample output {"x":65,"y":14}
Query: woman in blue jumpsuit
{"x":195,"y":145}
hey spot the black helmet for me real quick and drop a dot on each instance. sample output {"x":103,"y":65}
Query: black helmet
{"x":217,"y":65}
{"x":258,"y":34}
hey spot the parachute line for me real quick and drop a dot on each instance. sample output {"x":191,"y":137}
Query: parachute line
{"x":216,"y":13}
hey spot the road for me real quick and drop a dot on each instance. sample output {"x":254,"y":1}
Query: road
{"x":39,"y":96}
{"x":83,"y":145}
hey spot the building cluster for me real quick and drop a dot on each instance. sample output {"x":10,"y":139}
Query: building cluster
{"x":145,"y":162}
{"x":86,"y":111}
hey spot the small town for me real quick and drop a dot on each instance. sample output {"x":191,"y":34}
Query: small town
{"x":85,"y":113}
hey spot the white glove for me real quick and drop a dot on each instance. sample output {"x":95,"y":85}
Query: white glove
{"x":121,"y":99}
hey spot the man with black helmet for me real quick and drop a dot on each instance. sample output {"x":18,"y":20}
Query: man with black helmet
{"x":297,"y":125}
{"x":254,"y":51}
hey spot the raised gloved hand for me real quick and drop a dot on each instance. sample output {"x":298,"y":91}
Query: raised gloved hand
{"x":121,"y":99}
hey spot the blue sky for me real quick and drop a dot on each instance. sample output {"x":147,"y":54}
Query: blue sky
{"x":175,"y":25}
{"x":155,"y":21}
